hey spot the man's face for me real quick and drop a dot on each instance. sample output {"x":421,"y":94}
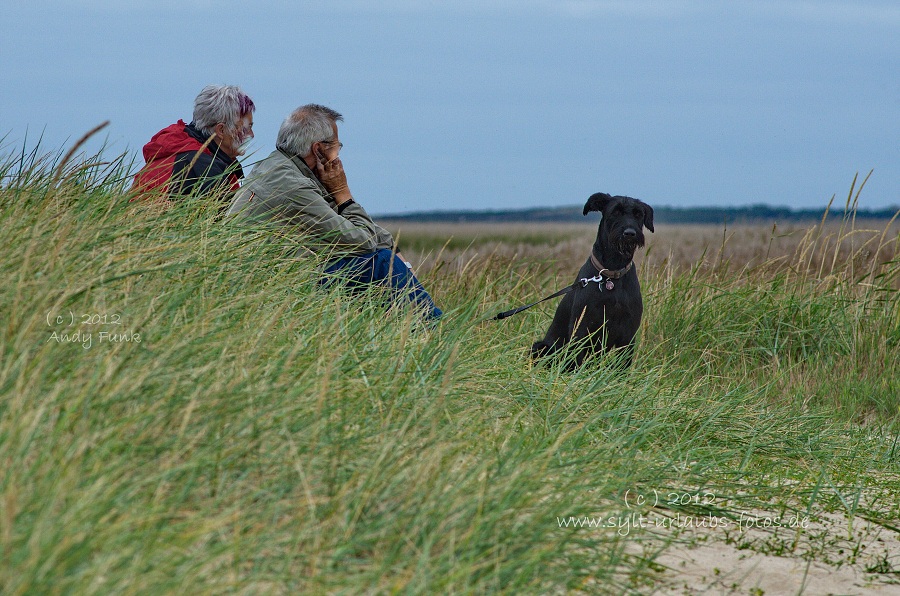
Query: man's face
{"x":231,"y":139}
{"x":330,"y":149}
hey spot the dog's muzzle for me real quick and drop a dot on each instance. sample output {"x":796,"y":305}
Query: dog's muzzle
{"x":629,"y":242}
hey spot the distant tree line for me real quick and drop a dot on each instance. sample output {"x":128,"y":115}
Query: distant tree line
{"x":698,"y":215}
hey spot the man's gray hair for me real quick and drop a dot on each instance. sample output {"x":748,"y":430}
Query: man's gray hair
{"x":220,"y":103}
{"x":306,"y":125}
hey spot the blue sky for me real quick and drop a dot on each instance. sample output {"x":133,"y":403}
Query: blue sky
{"x":495,"y":105}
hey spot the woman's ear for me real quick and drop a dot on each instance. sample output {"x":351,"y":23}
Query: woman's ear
{"x":219,"y":130}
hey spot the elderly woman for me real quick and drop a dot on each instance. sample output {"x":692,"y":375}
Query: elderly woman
{"x":200,"y":157}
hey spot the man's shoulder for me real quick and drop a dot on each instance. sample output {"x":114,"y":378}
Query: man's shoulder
{"x":278,"y":167}
{"x":277,"y":183}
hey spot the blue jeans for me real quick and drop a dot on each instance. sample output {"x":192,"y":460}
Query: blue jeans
{"x":384,"y":267}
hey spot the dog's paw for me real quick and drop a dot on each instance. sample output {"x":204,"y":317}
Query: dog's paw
{"x":539,"y":349}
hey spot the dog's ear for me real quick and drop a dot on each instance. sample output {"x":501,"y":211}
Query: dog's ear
{"x":596,"y":202}
{"x":648,"y":215}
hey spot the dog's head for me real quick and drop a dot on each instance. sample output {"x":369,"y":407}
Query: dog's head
{"x":624,"y":220}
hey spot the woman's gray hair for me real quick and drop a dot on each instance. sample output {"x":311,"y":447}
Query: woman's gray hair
{"x":220,"y":103}
{"x":306,"y":125}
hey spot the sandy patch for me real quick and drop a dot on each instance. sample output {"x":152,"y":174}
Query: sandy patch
{"x":723,"y":569}
{"x":831,"y":554}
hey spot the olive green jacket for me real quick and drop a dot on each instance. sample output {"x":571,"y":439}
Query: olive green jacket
{"x":282,"y":189}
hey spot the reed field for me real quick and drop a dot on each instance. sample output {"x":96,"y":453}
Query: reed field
{"x":184,"y":410}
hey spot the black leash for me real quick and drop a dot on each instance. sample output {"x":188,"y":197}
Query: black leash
{"x":601,"y":271}
{"x":509,"y":313}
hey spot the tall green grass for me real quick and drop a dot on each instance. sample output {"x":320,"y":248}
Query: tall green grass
{"x":257,"y":433}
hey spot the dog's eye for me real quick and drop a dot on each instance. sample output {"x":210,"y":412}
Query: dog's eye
{"x":638,"y":213}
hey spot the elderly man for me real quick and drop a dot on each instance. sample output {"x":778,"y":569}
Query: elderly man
{"x":200,"y":157}
{"x":302,"y":184}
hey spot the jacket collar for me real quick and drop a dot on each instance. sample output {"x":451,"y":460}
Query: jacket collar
{"x":298,"y":161}
{"x":306,"y":171}
{"x":230,"y":162}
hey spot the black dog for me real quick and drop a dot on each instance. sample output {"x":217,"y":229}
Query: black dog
{"x":604,"y":309}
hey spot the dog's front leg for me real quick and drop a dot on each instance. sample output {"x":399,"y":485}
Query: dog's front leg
{"x":558,"y":334}
{"x":626,"y":356}
{"x":583,"y":342}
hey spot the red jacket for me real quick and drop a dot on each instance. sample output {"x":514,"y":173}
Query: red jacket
{"x":172,"y":153}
